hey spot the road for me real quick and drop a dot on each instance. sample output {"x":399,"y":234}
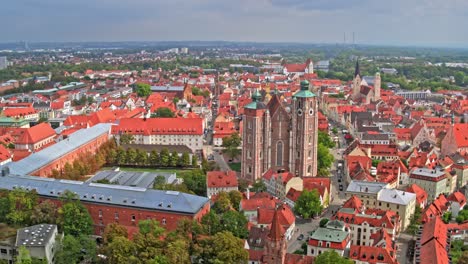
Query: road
{"x":337,"y":200}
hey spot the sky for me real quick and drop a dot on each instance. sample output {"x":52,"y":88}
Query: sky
{"x":390,"y":22}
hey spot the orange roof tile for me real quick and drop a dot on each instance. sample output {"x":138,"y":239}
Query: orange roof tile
{"x":216,"y":179}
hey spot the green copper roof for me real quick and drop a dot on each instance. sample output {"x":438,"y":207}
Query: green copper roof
{"x":256,"y":101}
{"x":329,"y":235}
{"x":304,"y":92}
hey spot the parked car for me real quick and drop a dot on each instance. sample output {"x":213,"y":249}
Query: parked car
{"x":300,"y":237}
{"x":341,"y":187}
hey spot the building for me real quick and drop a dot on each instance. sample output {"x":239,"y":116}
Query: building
{"x":334,"y":236}
{"x":433,"y":181}
{"x":365,"y":88}
{"x":55,"y":157}
{"x":163,"y":131}
{"x":40,"y":241}
{"x":433,"y":244}
{"x":280,"y":138}
{"x":220,"y":181}
{"x":285,"y":215}
{"x":421,"y":195}
{"x":278,"y":184}
{"x":299,"y":69}
{"x":455,"y":140}
{"x":377,"y":196}
{"x":108,"y":203}
{"x":36,"y":137}
{"x":3,"y":63}
{"x":133,"y":178}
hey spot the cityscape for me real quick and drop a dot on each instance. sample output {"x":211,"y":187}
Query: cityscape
{"x":321,"y":146}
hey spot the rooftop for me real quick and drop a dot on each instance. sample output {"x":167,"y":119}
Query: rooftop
{"x":365,"y":187}
{"x":109,"y":194}
{"x":35,"y":236}
{"x":432,"y":173}
{"x":132,"y":178}
{"x":396,"y":196}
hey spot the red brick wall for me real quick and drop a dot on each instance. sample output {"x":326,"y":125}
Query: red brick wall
{"x":71,"y":156}
{"x":167,"y":220}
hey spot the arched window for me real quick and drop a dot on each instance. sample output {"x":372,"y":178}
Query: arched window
{"x":309,"y":169}
{"x":249,"y":139}
{"x":279,"y":153}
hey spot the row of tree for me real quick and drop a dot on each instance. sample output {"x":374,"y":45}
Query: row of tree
{"x":325,"y":159}
{"x":139,"y":157}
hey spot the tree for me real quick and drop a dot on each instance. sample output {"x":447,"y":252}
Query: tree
{"x":234,"y":222}
{"x":174,"y":159}
{"x":74,"y":250}
{"x":308,"y":204}
{"x":141,"y":157}
{"x":4,"y":208}
{"x":178,"y":252}
{"x":154,"y":158}
{"x":126,"y":138}
{"x":258,"y":186}
{"x":231,"y":145}
{"x":325,"y":139}
{"x":222,"y":248}
{"x":243,"y":185}
{"x":324,"y":160}
{"x":112,"y":231}
{"x":446,"y":217}
{"x":459,"y":78}
{"x":184,"y":160}
{"x":23,"y":256}
{"x":415,"y":220}
{"x":323,"y":222}
{"x":235,"y":197}
{"x":21,"y":205}
{"x":223,"y":203}
{"x":335,"y":131}
{"x":164,"y":157}
{"x":45,"y":213}
{"x":331,"y":257}
{"x":130,"y":156}
{"x":195,"y":180}
{"x":143,"y":89}
{"x":121,"y":156}
{"x":163,"y":112}
{"x":159,"y":182}
{"x":121,"y":250}
{"x":194,"y":160}
{"x":148,"y":241}
{"x":76,"y":219}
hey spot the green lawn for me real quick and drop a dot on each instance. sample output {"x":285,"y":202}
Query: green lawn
{"x":235,"y":166}
{"x":148,"y":169}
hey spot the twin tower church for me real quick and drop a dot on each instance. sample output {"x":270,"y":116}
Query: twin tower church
{"x":280,"y":137}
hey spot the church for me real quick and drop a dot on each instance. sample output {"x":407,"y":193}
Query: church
{"x":366,"y":89}
{"x":280,"y":137}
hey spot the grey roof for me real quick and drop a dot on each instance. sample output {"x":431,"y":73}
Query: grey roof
{"x":35,"y":236}
{"x":369,"y":80}
{"x":167,"y":88}
{"x":396,"y":196}
{"x":367,"y":136}
{"x":115,"y":195}
{"x":40,"y":159}
{"x":132,"y":178}
{"x":329,"y":235}
{"x":432,"y":173}
{"x":365,"y":187}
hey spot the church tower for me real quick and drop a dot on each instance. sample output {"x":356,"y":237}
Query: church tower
{"x":304,"y":134}
{"x":276,"y":242}
{"x":377,"y":84}
{"x":253,"y":139}
{"x":357,"y":80}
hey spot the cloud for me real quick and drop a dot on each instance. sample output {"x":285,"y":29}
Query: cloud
{"x":397,"y":21}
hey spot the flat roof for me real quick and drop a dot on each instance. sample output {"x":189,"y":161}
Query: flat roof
{"x":35,"y":236}
{"x":365,"y":187}
{"x":132,"y":178}
{"x":396,"y":196}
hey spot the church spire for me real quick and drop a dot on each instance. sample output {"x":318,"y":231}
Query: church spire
{"x":277,"y":230}
{"x":357,"y":70}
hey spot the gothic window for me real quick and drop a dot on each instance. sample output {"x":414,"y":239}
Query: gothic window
{"x":250,"y":169}
{"x":299,"y":104}
{"x":310,"y":139}
{"x":261,"y":154}
{"x":249,"y":124}
{"x":249,"y":154}
{"x":310,"y":153}
{"x":249,"y":139}
{"x":311,"y":104}
{"x":309,"y":169}
{"x":279,"y":153}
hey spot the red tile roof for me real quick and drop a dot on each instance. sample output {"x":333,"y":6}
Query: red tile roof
{"x":4,"y":153}
{"x":36,"y":134}
{"x":217,"y":179}
{"x":457,"y":197}
{"x":434,"y":242}
{"x":372,"y":255}
{"x":354,"y":203}
{"x":159,"y":126}
{"x":259,"y":200}
{"x":284,"y":216}
{"x":19,"y":111}
{"x":461,"y":137}
{"x":293,"y":194}
{"x":421,"y":194}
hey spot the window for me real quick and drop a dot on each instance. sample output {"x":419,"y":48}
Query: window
{"x":133,"y":218}
{"x":310,"y":139}
{"x":309,"y":169}
{"x":279,"y":153}
{"x":250,"y":169}
{"x":163,"y":221}
{"x":100,"y":213}
{"x":310,"y":153}
{"x":249,"y":154}
{"x":249,"y":139}
{"x":116,"y":215}
{"x":3,"y":251}
{"x":249,"y":124}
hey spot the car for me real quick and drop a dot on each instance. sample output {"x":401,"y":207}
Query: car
{"x":341,"y":187}
{"x":300,"y":237}
{"x":339,"y":180}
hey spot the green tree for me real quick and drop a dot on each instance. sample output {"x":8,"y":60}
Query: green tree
{"x":112,"y":231}
{"x":143,"y":89}
{"x":174,"y":159}
{"x":415,"y":220}
{"x":23,"y":256}
{"x":446,"y":217}
{"x":178,"y":252}
{"x":308,"y":204}
{"x":121,"y":250}
{"x":234,"y":222}
{"x":325,"y":139}
{"x":335,"y":131}
{"x":4,"y":208}
{"x":194,"y":160}
{"x":163,"y":112}
{"x":195,"y":180}
{"x":154,"y":158}
{"x":184,"y":160}
{"x":259,"y":186}
{"x":331,"y":257}
{"x":459,"y":78}
{"x":44,"y":213}
{"x":159,"y":182}
{"x":130,"y":156}
{"x":141,"y":157}
{"x":21,"y":205}
{"x":323,"y":222}
{"x":164,"y":157}
{"x":235,"y":197}
{"x":231,"y":145}
{"x":76,"y":219}
{"x":148,"y":241}
{"x":126,"y":138}
{"x":223,"y":203}
{"x":324,"y":160}
{"x":222,"y":248}
{"x":121,"y":156}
